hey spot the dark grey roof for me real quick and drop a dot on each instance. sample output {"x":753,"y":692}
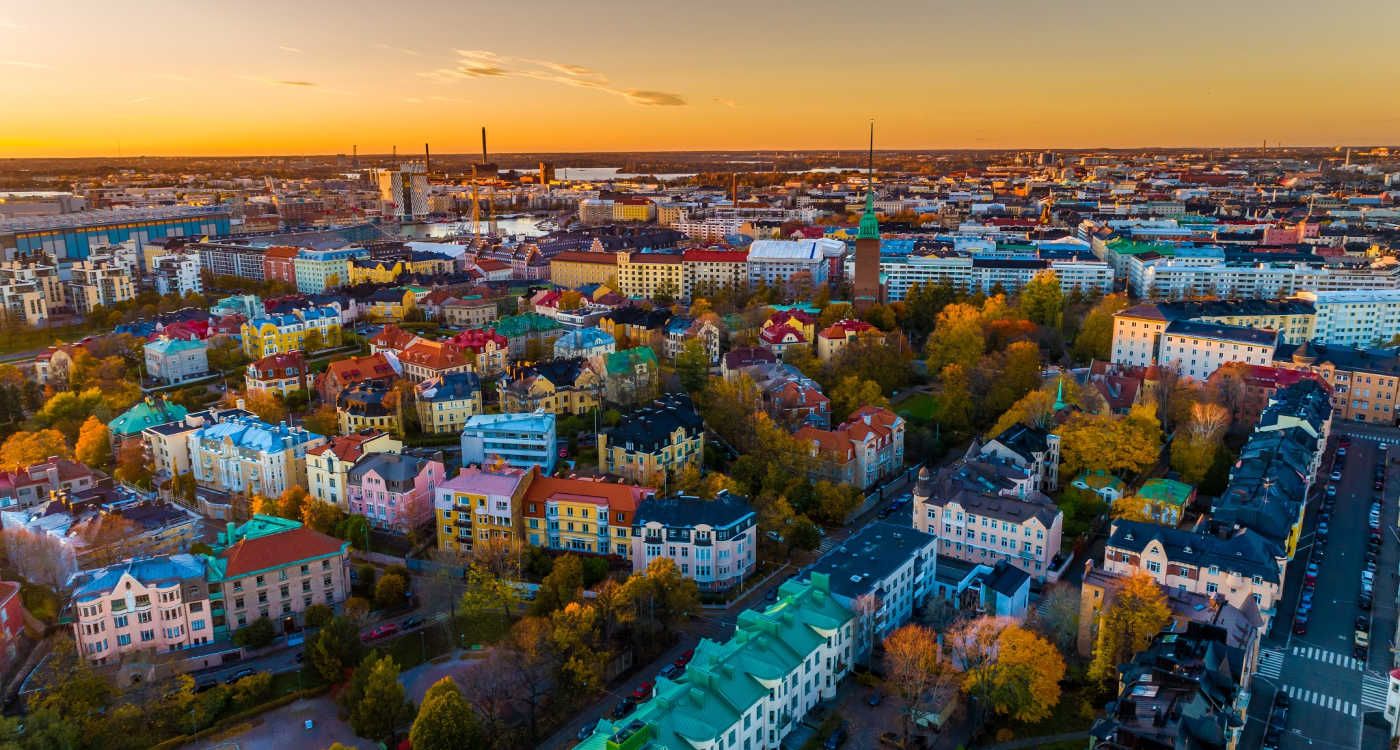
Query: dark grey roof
{"x":1242,"y":334}
{"x":649,"y":429}
{"x":1377,"y":361}
{"x":684,"y":511}
{"x":1007,"y":579}
{"x":396,"y":469}
{"x":870,"y":556}
{"x":1240,"y":550}
{"x":1025,"y":440}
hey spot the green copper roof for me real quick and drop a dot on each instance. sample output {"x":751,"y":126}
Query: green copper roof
{"x":1125,"y":246}
{"x":725,"y":680}
{"x":147,"y":413}
{"x":1165,"y":492}
{"x":531,"y":322}
{"x":623,"y":361}
{"x":869,"y":222}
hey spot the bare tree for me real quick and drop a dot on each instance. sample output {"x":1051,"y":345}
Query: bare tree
{"x":972,"y":647}
{"x":917,"y":671}
{"x":1057,"y":617}
{"x":1208,"y":421}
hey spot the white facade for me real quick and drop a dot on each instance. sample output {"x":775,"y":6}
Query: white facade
{"x":900,"y":274}
{"x":776,"y":262}
{"x":403,"y":193}
{"x":521,"y":440}
{"x":1360,"y":319}
{"x":1198,"y":355}
{"x":178,"y":273}
{"x":1180,"y":280}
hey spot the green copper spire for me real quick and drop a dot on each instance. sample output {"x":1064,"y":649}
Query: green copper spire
{"x":869,"y":222}
{"x":1060,"y":394}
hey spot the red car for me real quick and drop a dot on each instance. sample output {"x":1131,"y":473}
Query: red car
{"x":383,"y":631}
{"x":685,"y":657}
{"x":643,"y":690}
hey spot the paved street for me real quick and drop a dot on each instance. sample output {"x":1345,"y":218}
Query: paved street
{"x":1331,"y":689}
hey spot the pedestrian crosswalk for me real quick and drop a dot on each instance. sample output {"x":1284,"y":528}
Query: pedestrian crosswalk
{"x":1270,"y":663}
{"x":827,"y":544}
{"x":1373,"y":691}
{"x":1322,"y":700}
{"x":1328,"y":657}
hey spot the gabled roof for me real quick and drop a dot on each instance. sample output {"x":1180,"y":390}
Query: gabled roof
{"x":276,"y":550}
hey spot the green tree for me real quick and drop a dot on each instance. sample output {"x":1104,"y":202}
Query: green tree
{"x":383,"y":707}
{"x":955,"y":397}
{"x":313,"y":341}
{"x":852,"y":393}
{"x":1042,"y":300}
{"x":693,"y":366}
{"x":389,"y":592}
{"x":318,"y":615}
{"x":257,"y":634}
{"x":563,"y":585}
{"x":489,"y":602}
{"x":253,"y":689}
{"x":1095,"y":338}
{"x":445,"y":721}
{"x":1013,"y":374}
{"x":335,"y":649}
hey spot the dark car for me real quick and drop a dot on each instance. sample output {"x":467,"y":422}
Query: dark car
{"x":1363,"y":623}
{"x":625,"y":707}
{"x":1364,"y":602}
{"x":772,"y":595}
{"x":874,"y":698}
{"x":671,"y":671}
{"x":836,"y":739}
{"x":205,"y":682}
{"x":1300,"y":625}
{"x":412,"y":622}
{"x":240,"y":674}
{"x":684,"y":658}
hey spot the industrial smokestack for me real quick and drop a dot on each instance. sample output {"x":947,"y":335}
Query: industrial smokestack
{"x":483,"y":144}
{"x":427,"y":160}
{"x":355,"y":155}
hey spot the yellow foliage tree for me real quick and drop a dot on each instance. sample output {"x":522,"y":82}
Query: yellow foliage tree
{"x":1137,"y":613}
{"x":1023,"y":677}
{"x":26,"y":448}
{"x":94,"y":446}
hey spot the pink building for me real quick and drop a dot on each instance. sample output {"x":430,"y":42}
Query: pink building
{"x":394,"y":491}
{"x":155,"y":604}
{"x":985,"y":511}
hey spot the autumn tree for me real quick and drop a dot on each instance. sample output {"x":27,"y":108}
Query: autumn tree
{"x":334,"y":648}
{"x":1011,"y":375}
{"x":1095,"y":338}
{"x":1022,"y":677}
{"x":1057,"y":616}
{"x":1196,"y":444}
{"x":563,"y":586}
{"x":574,"y":634}
{"x":1130,"y":444}
{"x":728,"y":406}
{"x":957,"y":338}
{"x":94,"y":446}
{"x":22,"y":449}
{"x":489,"y":602}
{"x":266,"y":406}
{"x":955,"y":397}
{"x":134,"y":469}
{"x":321,"y":516}
{"x":323,"y":420}
{"x":1042,"y":300}
{"x":916,"y":671}
{"x":445,"y":721}
{"x":313,"y":341}
{"x":389,"y":591}
{"x":1127,"y":625}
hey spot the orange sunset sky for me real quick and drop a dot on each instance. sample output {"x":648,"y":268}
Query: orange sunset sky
{"x":201,"y":77}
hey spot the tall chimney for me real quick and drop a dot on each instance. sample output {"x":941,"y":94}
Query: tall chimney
{"x":427,"y":160}
{"x":483,"y":144}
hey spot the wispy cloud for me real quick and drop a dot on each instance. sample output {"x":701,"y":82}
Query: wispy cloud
{"x":730,"y":103}
{"x":6,"y":23}
{"x":480,"y":63}
{"x":295,"y":83}
{"x":25,"y":64}
{"x":392,"y":48}
{"x":293,"y":50}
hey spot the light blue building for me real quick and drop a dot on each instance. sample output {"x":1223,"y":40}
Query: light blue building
{"x":521,"y":440}
{"x":585,"y":342}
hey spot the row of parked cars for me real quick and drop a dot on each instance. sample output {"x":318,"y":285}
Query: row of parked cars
{"x":1278,"y":720}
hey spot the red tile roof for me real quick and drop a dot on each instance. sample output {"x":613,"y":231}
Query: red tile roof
{"x":715,"y":256}
{"x":277,"y":551}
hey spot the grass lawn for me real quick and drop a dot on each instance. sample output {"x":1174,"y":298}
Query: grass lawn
{"x":920,"y":408}
{"x":284,"y":683}
{"x":419,"y":646}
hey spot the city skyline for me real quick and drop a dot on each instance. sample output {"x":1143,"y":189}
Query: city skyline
{"x":148,"y":79}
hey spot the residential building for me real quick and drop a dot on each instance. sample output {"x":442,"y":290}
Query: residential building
{"x":30,"y":288}
{"x":584,"y":342}
{"x":489,"y":351}
{"x":11,"y":624}
{"x":177,"y":273}
{"x":280,"y":374}
{"x":246,"y":455}
{"x":95,"y":284}
{"x":1361,"y":319}
{"x":363,"y":406}
{"x":864,"y":450}
{"x":446,"y":402}
{"x":520,"y":330}
{"x":713,"y":542}
{"x":1196,"y":350}
{"x":837,"y":336}
{"x":480,"y":504}
{"x":752,"y":690}
{"x":424,"y":359}
{"x":285,"y":332}
{"x":984,"y":511}
{"x":1032,"y":448}
{"x":573,"y":270}
{"x":172,"y":361}
{"x":523,"y":440}
{"x":636,"y":326}
{"x":318,"y":271}
{"x":582,"y":515}
{"x":471,"y":312}
{"x":1365,"y":383}
{"x":328,"y":464}
{"x":1190,"y":684}
{"x":156,"y":604}
{"x":977,"y":589}
{"x":556,"y":386}
{"x":653,"y":443}
{"x":705,"y":273}
{"x":782,"y":337}
{"x":631,"y":376}
{"x":167,"y":442}
{"x":274,"y":568}
{"x":279,"y":264}
{"x":1165,"y":500}
{"x":650,"y":275}
{"x":885,"y":573}
{"x":343,"y":373}
{"x":393,"y":490}
{"x":56,"y":478}
{"x":976,"y":275}
{"x":403,"y":192}
{"x":148,"y":412}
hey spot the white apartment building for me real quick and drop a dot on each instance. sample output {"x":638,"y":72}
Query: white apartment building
{"x":981,"y":275}
{"x":1360,"y":319}
{"x":177,"y":273}
{"x":710,"y":229}
{"x":249,"y":456}
{"x":1197,"y":349}
{"x":714,"y":542}
{"x":521,"y":440}
{"x":98,"y":284}
{"x":713,"y":269}
{"x":892,"y":567}
{"x":29,"y":289}
{"x":1176,"y":280}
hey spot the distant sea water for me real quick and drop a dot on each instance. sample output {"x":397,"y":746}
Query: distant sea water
{"x":32,"y":193}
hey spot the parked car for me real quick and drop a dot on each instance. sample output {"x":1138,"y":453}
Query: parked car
{"x":1331,"y":490}
{"x":1300,"y":625}
{"x":1364,"y":602}
{"x":205,"y":682}
{"x":671,"y":671}
{"x":1342,"y":451}
{"x":586,"y":730}
{"x":643,"y":691}
{"x":383,"y":631}
{"x":413,"y":622}
{"x":836,"y":739}
{"x":1335,"y":476}
{"x":685,"y":657}
{"x":1363,"y":623}
{"x":240,"y":674}
{"x":1311,"y":574}
{"x":1344,"y":440}
{"x":1322,"y":529}
{"x":625,"y":707}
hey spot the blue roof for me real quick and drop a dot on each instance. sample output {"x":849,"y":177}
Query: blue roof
{"x":170,"y":346}
{"x":585,"y":338}
{"x":254,"y":434}
{"x":147,"y":570}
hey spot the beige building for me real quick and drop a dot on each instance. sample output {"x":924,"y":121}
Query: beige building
{"x":645,"y":275}
{"x":275,"y":568}
{"x":575,"y":269}
{"x":98,"y":284}
{"x":328,"y":465}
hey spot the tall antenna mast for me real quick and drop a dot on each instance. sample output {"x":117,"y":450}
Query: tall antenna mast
{"x":870,"y":165}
